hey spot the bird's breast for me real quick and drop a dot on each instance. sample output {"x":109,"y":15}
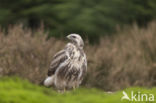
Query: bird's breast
{"x":77,"y":62}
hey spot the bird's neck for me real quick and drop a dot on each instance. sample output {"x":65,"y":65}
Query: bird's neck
{"x":78,"y":46}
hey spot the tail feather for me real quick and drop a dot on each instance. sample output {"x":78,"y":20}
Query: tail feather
{"x":49,"y":81}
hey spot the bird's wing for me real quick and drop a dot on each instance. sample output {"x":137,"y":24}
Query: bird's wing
{"x":84,"y":68}
{"x":58,"y":58}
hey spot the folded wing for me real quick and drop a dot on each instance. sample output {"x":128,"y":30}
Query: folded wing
{"x":58,"y":58}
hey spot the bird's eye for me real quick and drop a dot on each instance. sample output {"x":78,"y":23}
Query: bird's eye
{"x":74,"y":36}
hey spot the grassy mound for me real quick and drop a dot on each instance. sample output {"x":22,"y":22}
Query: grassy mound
{"x":15,"y":90}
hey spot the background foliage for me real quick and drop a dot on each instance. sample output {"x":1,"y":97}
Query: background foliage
{"x":90,"y":18}
{"x":120,"y":61}
{"x":125,"y":56}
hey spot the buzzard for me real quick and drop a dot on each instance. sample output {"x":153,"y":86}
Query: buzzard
{"x":68,"y":66}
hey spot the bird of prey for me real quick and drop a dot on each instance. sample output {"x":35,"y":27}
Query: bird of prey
{"x":68,"y":66}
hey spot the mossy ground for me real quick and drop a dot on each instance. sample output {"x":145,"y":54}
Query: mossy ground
{"x":15,"y":90}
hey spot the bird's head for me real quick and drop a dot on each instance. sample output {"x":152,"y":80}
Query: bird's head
{"x":76,"y":39}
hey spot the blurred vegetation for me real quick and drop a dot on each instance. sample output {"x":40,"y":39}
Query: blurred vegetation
{"x":120,"y":61}
{"x":15,"y":90}
{"x":90,"y":18}
{"x":124,"y":59}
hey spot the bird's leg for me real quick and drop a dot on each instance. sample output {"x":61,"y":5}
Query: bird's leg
{"x":74,"y":87}
{"x":64,"y":90}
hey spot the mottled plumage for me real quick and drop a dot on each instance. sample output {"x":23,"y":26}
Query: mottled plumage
{"x":68,"y":66}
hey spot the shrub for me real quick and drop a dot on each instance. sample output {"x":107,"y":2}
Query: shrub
{"x":123,"y":60}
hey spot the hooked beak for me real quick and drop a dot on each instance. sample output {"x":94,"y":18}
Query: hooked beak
{"x":68,"y":37}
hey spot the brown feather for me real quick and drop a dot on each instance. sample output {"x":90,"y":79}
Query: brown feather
{"x":57,"y":60}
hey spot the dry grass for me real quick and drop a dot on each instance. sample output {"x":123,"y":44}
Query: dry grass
{"x":124,"y":60}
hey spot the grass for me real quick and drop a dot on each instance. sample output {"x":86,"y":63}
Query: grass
{"x":15,"y":90}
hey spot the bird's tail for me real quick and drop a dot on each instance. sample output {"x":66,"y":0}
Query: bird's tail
{"x":49,"y":81}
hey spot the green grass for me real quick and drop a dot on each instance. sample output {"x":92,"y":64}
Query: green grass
{"x":15,"y":90}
